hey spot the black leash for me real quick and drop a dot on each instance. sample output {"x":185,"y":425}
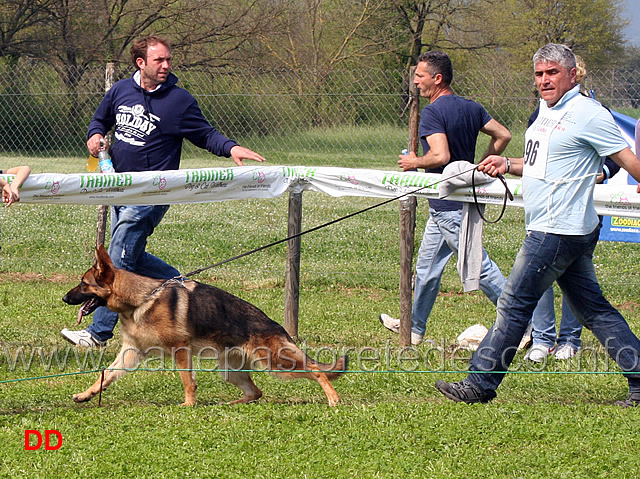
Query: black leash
{"x":507,"y":193}
{"x":315,"y":228}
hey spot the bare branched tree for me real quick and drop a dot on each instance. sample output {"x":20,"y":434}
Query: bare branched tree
{"x":450,"y":25}
{"x":223,"y":33}
{"x":19,"y":25}
{"x":318,"y":36}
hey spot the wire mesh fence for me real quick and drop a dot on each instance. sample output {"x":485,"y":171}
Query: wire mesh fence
{"x":356,"y":118}
{"x":334,"y":118}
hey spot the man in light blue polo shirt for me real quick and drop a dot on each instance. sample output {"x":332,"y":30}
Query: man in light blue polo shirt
{"x":563,"y":155}
{"x":558,"y":186}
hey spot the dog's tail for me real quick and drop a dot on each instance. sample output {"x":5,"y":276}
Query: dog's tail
{"x":332,"y":371}
{"x":285,"y":360}
{"x":291,"y":362}
{"x":302,"y":366}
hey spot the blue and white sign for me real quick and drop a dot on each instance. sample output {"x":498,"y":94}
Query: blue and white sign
{"x":622,"y":228}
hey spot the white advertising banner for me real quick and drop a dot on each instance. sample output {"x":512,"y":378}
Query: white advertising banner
{"x":221,"y":184}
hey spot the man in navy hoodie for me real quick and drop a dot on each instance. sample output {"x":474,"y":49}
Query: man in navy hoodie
{"x":150,"y":116}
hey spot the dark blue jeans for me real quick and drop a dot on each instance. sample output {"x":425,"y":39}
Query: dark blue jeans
{"x":543,"y":259}
{"x":130,"y":228}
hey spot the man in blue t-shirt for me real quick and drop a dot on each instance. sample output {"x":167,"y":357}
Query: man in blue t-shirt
{"x":563,"y":155}
{"x":449,"y":128}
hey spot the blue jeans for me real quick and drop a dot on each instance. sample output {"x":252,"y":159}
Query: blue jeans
{"x":543,"y":259}
{"x":439,"y":243}
{"x":544,"y":327}
{"x":130,"y":228}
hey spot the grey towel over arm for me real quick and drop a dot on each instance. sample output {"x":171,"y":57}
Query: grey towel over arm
{"x":470,"y":250}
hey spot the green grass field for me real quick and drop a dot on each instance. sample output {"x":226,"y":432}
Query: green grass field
{"x":551,"y":421}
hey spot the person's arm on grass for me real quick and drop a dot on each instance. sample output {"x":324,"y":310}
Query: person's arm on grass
{"x":11,"y":192}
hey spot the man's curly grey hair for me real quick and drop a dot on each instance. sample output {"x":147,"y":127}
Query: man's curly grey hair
{"x":555,"y":52}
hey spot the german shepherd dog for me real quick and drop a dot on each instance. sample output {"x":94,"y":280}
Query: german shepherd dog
{"x":185,"y":318}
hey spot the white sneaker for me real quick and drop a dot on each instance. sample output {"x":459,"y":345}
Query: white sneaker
{"x":392,"y":324}
{"x":416,"y":338}
{"x":566,"y":351}
{"x":82,"y":338}
{"x":538,"y":352}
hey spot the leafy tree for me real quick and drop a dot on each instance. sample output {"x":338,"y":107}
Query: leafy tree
{"x":591,"y":28}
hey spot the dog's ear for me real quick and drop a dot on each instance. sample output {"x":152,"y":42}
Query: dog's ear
{"x":103,"y":264}
{"x":101,"y":255}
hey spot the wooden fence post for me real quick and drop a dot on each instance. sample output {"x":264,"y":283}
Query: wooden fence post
{"x":109,"y":76}
{"x":292,"y":281}
{"x":408,"y":223}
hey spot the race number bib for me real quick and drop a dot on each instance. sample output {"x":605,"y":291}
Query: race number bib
{"x":538,"y":137}
{"x":535,"y":156}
